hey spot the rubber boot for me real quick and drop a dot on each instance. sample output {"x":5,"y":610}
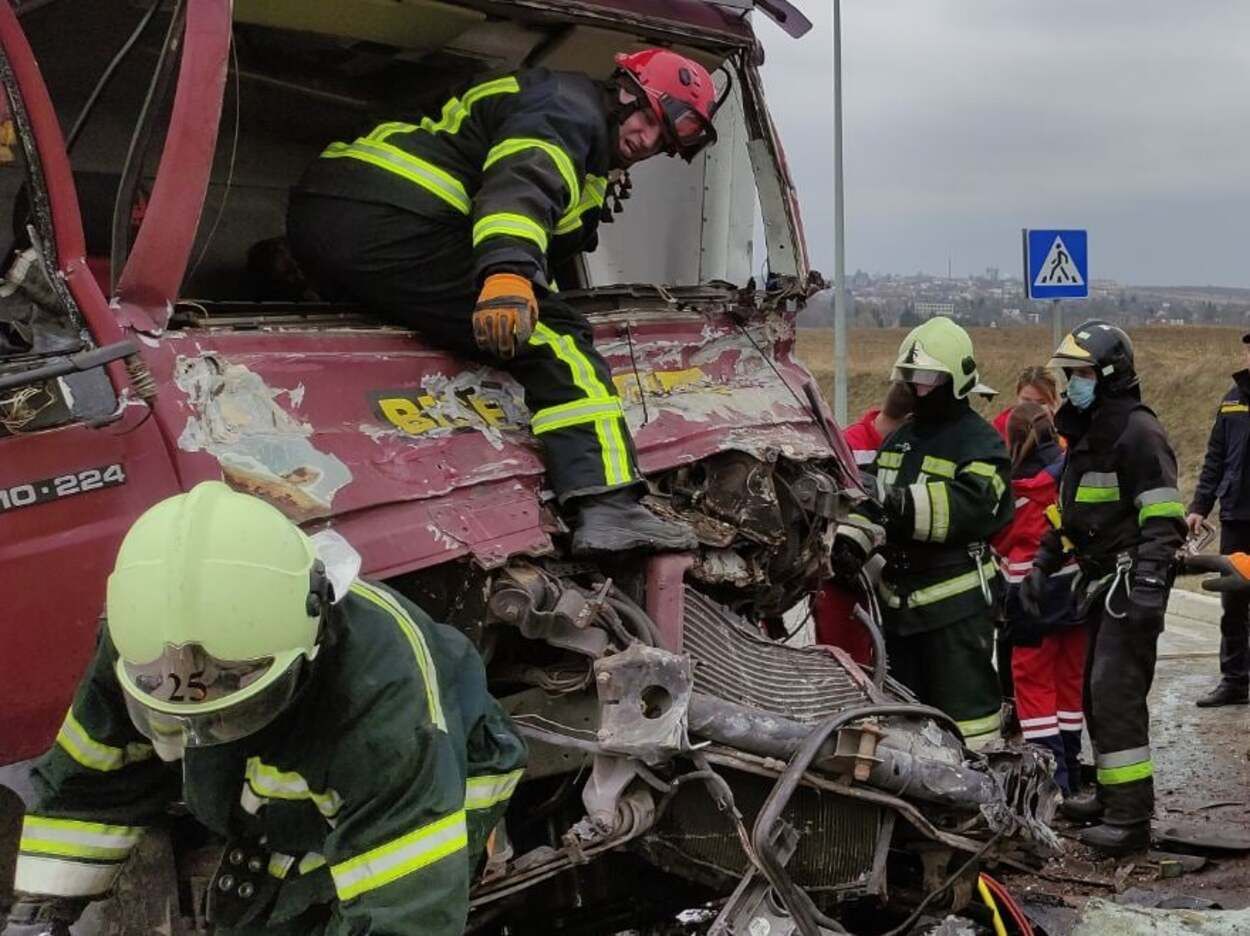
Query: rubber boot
{"x":1225,"y":693}
{"x":1117,"y":839}
{"x":617,"y":522}
{"x":1084,"y":807}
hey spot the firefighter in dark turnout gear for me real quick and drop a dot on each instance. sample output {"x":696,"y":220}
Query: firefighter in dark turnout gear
{"x":1225,"y":477}
{"x":942,"y":480}
{"x":1122,"y":514}
{"x":344,"y":744}
{"x":453,"y":227}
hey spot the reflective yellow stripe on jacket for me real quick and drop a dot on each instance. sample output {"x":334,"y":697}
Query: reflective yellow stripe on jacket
{"x":420,"y":650}
{"x":70,"y":857}
{"x":424,"y":173}
{"x":77,"y":742}
{"x":594,"y":191}
{"x":400,"y":857}
{"x":491,"y":789}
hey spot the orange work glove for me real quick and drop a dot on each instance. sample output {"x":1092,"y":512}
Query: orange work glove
{"x":505,"y":314}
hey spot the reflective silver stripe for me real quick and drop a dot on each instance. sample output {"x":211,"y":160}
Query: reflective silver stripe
{"x":940,"y":496}
{"x":1122,"y":758}
{"x":400,"y":857}
{"x":1031,"y":733}
{"x":1160,"y":495}
{"x":63,"y":877}
{"x":490,"y":790}
{"x":941,"y":590}
{"x":855,"y":534}
{"x":76,"y":839}
{"x":1107,"y":479}
{"x":888,"y":476}
{"x":923,"y":509}
{"x":75,"y":740}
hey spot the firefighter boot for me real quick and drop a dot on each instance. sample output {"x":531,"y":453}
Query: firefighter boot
{"x":1084,"y":807}
{"x":1225,"y":693}
{"x":617,"y":522}
{"x":1116,"y":839}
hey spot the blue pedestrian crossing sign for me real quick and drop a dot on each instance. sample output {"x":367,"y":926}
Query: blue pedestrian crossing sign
{"x":1056,"y":264}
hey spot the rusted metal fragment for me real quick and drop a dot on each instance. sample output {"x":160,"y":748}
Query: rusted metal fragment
{"x":261,"y":448}
{"x":1103,"y":918}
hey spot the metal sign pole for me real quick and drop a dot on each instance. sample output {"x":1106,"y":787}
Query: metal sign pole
{"x":1058,"y":324}
{"x":839,"y":232}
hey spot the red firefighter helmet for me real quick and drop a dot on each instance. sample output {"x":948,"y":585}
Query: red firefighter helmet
{"x":681,"y":95}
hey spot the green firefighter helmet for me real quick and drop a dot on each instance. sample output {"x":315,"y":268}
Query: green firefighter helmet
{"x":214,"y":604}
{"x":935,"y":347}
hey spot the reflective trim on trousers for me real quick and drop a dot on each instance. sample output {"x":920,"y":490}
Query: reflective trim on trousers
{"x":613,"y":450}
{"x":1124,"y":766}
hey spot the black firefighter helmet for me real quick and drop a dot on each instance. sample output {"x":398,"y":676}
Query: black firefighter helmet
{"x":1103,"y":347}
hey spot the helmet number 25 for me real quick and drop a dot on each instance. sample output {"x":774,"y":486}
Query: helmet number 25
{"x":196,"y":691}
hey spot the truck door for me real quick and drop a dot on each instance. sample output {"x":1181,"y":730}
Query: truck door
{"x":79,"y":456}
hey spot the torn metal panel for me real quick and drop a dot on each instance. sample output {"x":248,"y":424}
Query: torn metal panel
{"x":261,"y":448}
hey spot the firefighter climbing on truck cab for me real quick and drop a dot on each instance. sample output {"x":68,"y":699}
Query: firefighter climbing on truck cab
{"x":942,"y":482}
{"x":453,"y":227}
{"x":1122,"y":514}
{"x":342,"y":743}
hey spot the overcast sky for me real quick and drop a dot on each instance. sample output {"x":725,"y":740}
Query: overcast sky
{"x":966,"y":120}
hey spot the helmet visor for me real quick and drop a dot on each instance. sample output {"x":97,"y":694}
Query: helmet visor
{"x":688,"y":131}
{"x":220,"y":725}
{"x":923,"y":377}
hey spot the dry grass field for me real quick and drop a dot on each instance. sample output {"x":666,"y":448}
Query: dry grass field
{"x":1184,"y":370}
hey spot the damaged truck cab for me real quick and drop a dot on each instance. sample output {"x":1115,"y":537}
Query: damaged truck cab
{"x":154,"y":334}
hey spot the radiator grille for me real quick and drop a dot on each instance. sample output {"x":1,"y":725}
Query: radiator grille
{"x":837,"y":844}
{"x":735,"y":664}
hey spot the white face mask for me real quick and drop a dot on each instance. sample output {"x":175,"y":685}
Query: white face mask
{"x":170,"y":748}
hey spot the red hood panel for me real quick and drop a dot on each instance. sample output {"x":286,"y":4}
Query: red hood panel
{"x":424,"y":457}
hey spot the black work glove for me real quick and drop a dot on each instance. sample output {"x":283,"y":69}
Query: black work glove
{"x":853,"y":543}
{"x":1234,"y":571}
{"x":1031,"y":591}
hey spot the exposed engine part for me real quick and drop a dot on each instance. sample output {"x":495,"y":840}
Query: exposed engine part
{"x":609,"y":778}
{"x":644,"y":694}
{"x":965,"y":786}
{"x":545,"y":609}
{"x":739,"y":490}
{"x":817,"y":493}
